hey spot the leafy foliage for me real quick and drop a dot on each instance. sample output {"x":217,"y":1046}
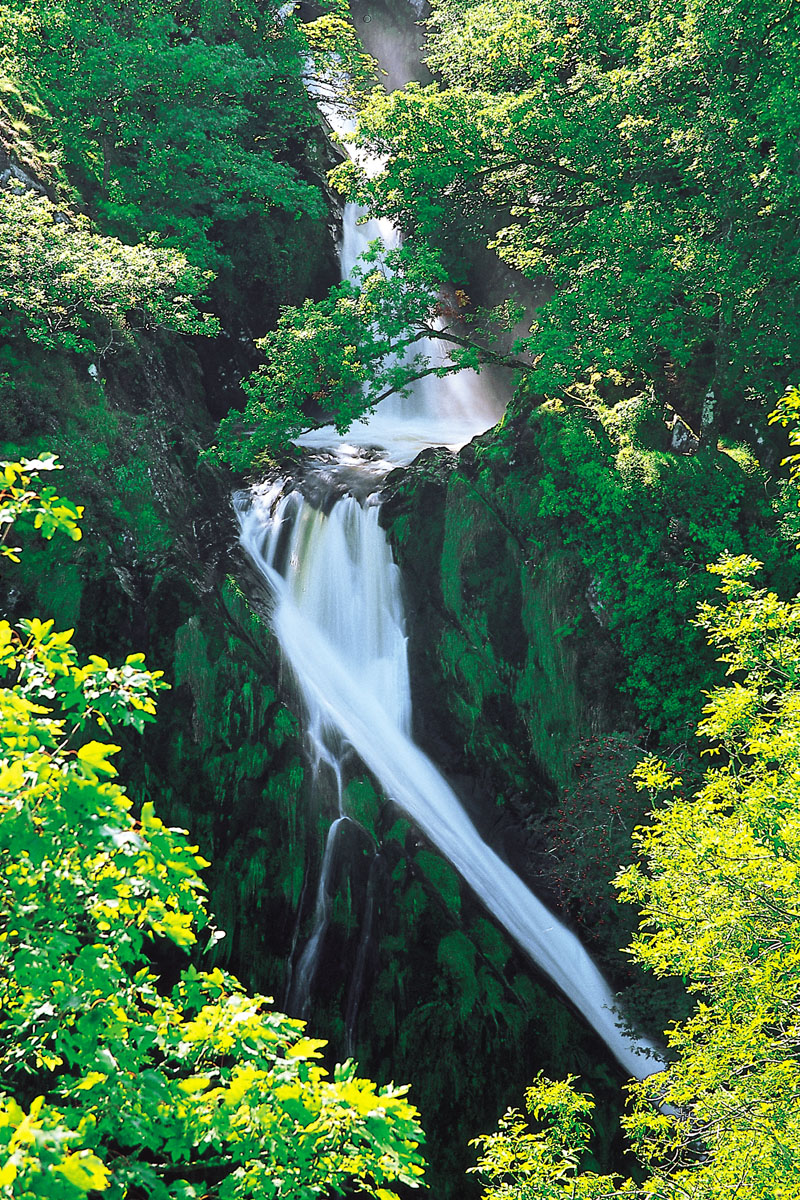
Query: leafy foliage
{"x":342,"y":354}
{"x":182,"y":134}
{"x":643,"y":523}
{"x":542,"y":1165}
{"x":338,"y":68}
{"x":173,"y":118}
{"x":61,"y":284}
{"x":112,"y":1082}
{"x":717,"y":883}
{"x":19,"y":501}
{"x":372,"y":336}
{"x":671,"y":260}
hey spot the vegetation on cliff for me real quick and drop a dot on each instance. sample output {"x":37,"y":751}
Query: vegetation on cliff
{"x":641,"y":163}
{"x":641,"y":158}
{"x":159,"y":170}
{"x":160,"y":176}
{"x":65,"y":286}
{"x":166,"y":120}
{"x":717,"y":886}
{"x":553,"y":574}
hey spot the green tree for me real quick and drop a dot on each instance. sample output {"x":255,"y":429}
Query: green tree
{"x":639,"y":161}
{"x":172,"y":118}
{"x":717,"y":883}
{"x":335,"y":359}
{"x":641,"y":158}
{"x":63,"y":285}
{"x":113,"y":1082}
{"x":337,"y":356}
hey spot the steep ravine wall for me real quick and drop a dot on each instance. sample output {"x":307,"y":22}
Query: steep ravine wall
{"x":507,"y":697}
{"x":518,"y":673}
{"x":492,"y":624}
{"x":129,"y":424}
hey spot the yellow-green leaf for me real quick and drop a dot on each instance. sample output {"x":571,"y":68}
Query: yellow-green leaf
{"x":305,"y":1048}
{"x":197,"y":1083}
{"x":90,"y":1080}
{"x":85,"y":1171}
{"x":94,"y":754}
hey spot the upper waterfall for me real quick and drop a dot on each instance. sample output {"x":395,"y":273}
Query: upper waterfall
{"x":433,"y":411}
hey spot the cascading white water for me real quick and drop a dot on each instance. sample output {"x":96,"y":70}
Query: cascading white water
{"x":338,"y":616}
{"x":347,"y":651}
{"x":300,"y":989}
{"x":338,"y":572}
{"x":447,"y":411}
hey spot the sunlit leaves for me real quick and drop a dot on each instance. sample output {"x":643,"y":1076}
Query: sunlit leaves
{"x":62,"y":284}
{"x":141,"y":1090}
{"x":173,"y":119}
{"x":19,"y":502}
{"x":638,"y":157}
{"x":338,"y":67}
{"x":519,"y":1164}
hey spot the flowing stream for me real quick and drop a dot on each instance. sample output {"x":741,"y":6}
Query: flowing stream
{"x":337,"y":613}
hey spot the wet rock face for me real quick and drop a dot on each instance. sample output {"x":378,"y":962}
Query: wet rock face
{"x":17,"y":173}
{"x":391,"y":32}
{"x":14,"y":178}
{"x":537,"y":568}
{"x":499,"y":681}
{"x":512,"y":665}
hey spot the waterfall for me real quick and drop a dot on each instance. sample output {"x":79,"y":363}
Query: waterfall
{"x":346,"y":646}
{"x":447,"y":411}
{"x":337,"y":613}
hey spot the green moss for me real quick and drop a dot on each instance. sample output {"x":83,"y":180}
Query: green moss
{"x":546,"y":689}
{"x":493,"y":944}
{"x":398,"y":831}
{"x":456,"y":957}
{"x":363,"y":804}
{"x":442,"y":877}
{"x":192,"y":667}
{"x":571,"y":562}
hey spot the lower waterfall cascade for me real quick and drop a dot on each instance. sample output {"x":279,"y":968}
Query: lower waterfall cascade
{"x":338,"y":617}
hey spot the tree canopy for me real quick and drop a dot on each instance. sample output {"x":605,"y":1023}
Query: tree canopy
{"x":62,"y":284}
{"x":114,"y":1080}
{"x":642,"y":159}
{"x":339,"y":356}
{"x":180,"y":148}
{"x":172,"y":119}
